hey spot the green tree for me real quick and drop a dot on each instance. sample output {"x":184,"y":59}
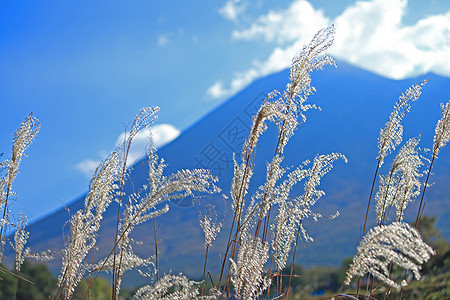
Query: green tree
{"x":101,"y":289}
{"x":342,"y":270}
{"x":440,"y":263}
{"x":7,"y":284}
{"x":44,"y":282}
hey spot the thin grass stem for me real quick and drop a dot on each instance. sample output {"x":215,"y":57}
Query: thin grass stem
{"x":421,"y":206}
{"x":204,"y":271}
{"x":293,"y":259}
{"x":156,"y":247}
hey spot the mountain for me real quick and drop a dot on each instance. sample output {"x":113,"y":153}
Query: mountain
{"x":354,"y":103}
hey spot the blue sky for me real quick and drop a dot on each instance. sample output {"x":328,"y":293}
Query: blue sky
{"x":85,"y":68}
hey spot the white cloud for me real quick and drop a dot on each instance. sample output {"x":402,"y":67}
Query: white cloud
{"x":232,"y":10}
{"x":296,"y":24}
{"x":87,"y":167}
{"x":217,"y":90}
{"x":159,"y":135}
{"x":299,"y":21}
{"x":277,"y":61}
{"x":369,"y":34}
{"x":163,"y":40}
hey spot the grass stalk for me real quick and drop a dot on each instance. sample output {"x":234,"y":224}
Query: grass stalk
{"x":5,"y":208}
{"x":156,"y":248}
{"x":226,"y":251}
{"x":237,"y":216}
{"x":420,"y":211}
{"x":90,"y":273}
{"x":15,"y":289}
{"x":127,"y":146}
{"x":370,"y":198}
{"x":367,"y":214}
{"x":118,"y":240}
{"x":293,"y":259}
{"x":270,"y":274}
{"x":204,"y":271}
{"x":422,"y":204}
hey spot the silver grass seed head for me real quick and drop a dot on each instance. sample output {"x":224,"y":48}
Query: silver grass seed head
{"x":103,"y":184}
{"x":322,"y":164}
{"x":143,"y":119}
{"x":402,"y":184}
{"x":442,"y":131}
{"x":156,"y":169}
{"x":312,"y":57}
{"x":268,"y":111}
{"x":142,"y":208}
{"x":210,"y":229}
{"x":392,"y":134}
{"x":409,"y":185}
{"x":45,"y":255}
{"x":247,"y":272}
{"x":283,"y":191}
{"x":267,"y":194}
{"x":384,"y":196}
{"x":284,"y":232}
{"x":240,"y":184}
{"x":81,"y":239}
{"x":170,"y":287}
{"x":23,"y":137}
{"x":20,"y":239}
{"x":291,"y":213}
{"x":397,"y":243}
{"x":130,"y":261}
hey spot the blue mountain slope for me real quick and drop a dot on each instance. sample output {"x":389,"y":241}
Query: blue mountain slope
{"x":355,"y":105}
